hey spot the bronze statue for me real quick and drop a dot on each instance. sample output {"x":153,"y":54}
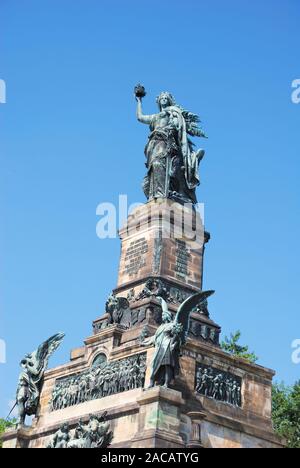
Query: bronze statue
{"x":172,"y":161}
{"x":95,"y":434}
{"x":169,"y":338}
{"x":34,"y":366}
{"x":115,"y":308}
{"x":61,"y":438}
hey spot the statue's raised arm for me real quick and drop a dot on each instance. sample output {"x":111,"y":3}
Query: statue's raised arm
{"x":140,"y":92}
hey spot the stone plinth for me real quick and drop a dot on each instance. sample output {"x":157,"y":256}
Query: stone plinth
{"x":159,"y":419}
{"x":162,"y":256}
{"x":163,"y":239}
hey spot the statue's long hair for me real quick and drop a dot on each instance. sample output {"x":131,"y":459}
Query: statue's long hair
{"x":170,"y":97}
{"x":192,"y":121}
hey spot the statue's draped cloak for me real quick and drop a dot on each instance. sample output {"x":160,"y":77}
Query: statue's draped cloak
{"x":165,"y":354}
{"x":28,"y":391}
{"x":30,"y":381}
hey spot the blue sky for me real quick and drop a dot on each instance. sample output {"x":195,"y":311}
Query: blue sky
{"x":69,"y":140}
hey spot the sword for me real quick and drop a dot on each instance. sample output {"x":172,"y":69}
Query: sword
{"x":12,"y":410}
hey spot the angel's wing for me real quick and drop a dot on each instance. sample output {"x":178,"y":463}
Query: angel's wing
{"x":183,"y":313}
{"x":192,"y":124}
{"x":164,"y":305}
{"x":40,"y":357}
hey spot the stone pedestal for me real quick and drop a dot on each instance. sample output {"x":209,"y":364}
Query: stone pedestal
{"x":163,"y":239}
{"x":162,"y":250}
{"x":162,"y":256}
{"x":159,"y":419}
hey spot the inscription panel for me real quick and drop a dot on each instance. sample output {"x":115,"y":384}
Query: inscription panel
{"x":183,"y":257}
{"x":135,"y":256}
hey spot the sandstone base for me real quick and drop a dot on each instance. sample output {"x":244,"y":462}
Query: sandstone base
{"x":159,"y":259}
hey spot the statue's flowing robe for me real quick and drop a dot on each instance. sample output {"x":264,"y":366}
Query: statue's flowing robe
{"x":167,"y":151}
{"x":166,"y":349}
{"x":30,"y":381}
{"x":160,"y":150}
{"x":28,"y":392}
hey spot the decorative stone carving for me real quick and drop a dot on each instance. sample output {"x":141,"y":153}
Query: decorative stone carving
{"x":100,"y":381}
{"x":144,"y":334}
{"x":131,"y":295}
{"x":117,"y":308}
{"x":202,"y":309}
{"x":99,"y":360}
{"x":154,"y":287}
{"x":130,"y":318}
{"x":204,"y":332}
{"x":214,"y":336}
{"x":95,"y":434}
{"x":177,"y":295}
{"x":219,"y":385}
{"x":100,"y":325}
{"x":138,"y":316}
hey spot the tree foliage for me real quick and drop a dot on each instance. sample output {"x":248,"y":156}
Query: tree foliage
{"x":231,"y":345}
{"x":5,"y":424}
{"x":286,"y":413}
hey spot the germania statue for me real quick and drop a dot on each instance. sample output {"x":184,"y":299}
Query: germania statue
{"x":34,"y":366}
{"x":170,"y":337}
{"x":172,"y":162}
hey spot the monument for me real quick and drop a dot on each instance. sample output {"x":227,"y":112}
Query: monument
{"x":152,"y":374}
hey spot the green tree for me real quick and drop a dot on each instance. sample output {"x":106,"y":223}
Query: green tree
{"x":231,"y":345}
{"x":5,"y":424}
{"x":286,"y":413}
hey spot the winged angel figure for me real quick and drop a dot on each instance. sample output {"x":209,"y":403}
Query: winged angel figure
{"x":172,"y":161}
{"x":170,"y":337}
{"x":34,"y":366}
